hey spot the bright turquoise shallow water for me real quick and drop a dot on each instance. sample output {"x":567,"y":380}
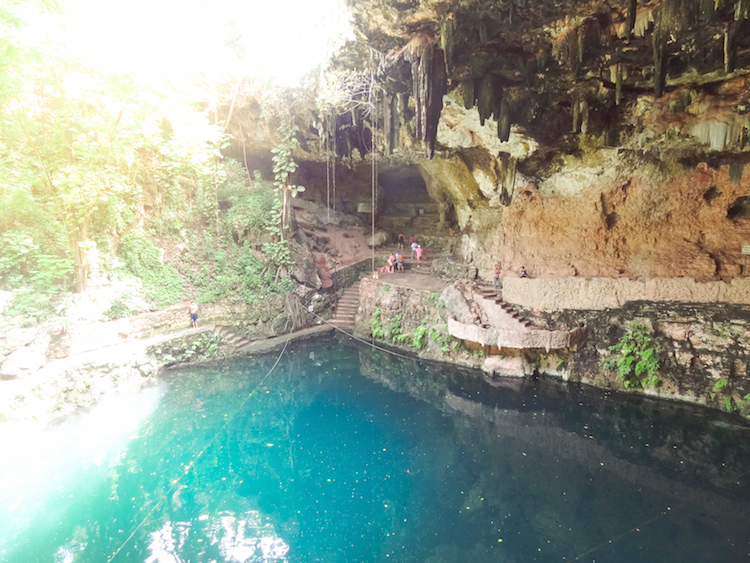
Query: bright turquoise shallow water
{"x":347,"y":455}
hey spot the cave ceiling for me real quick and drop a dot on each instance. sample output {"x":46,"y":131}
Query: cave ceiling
{"x":622,"y":71}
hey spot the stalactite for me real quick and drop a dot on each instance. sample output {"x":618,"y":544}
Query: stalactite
{"x":506,"y":172}
{"x":437,"y":86}
{"x":707,"y":9}
{"x":658,"y":45}
{"x":618,"y":84}
{"x":503,"y":121}
{"x":741,"y":10}
{"x":730,"y":46}
{"x":581,"y":47}
{"x":530,"y":72}
{"x":429,"y":85}
{"x":572,"y":53}
{"x":356,"y":119}
{"x":489,"y":96}
{"x":390,"y":123}
{"x":630,"y":21}
{"x":576,"y":109}
{"x":720,"y":133}
{"x":485,"y":99}
{"x":542,"y":61}
{"x":467,"y":93}
{"x":447,"y":38}
{"x":584,"y":115}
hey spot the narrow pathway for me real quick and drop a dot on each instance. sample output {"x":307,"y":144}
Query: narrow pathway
{"x":346,"y":307}
{"x":491,"y":294}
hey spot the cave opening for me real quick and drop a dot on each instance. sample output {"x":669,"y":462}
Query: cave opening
{"x":739,"y":209}
{"x":406,"y":205}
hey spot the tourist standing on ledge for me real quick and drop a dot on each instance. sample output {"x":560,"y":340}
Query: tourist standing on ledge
{"x":413,"y":247}
{"x":496,"y":272}
{"x":401,"y":239}
{"x":418,"y":251}
{"x":399,"y":261}
{"x":194,"y":314}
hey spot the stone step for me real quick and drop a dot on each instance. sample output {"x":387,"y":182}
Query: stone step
{"x":410,"y":209}
{"x":229,"y":337}
{"x":346,"y":307}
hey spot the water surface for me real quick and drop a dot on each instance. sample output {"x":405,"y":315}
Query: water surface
{"x":343,"y":453}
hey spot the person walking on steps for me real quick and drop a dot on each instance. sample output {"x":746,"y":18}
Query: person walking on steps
{"x":496,"y":272}
{"x":401,"y":239}
{"x":413,"y":247}
{"x":418,"y":252}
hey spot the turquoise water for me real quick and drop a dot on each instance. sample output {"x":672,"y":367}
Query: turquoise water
{"x":345,"y":454}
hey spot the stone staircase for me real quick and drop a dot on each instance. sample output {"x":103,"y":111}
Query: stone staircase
{"x":346,"y":307}
{"x":491,"y":295}
{"x":425,"y":268}
{"x":228,"y":336}
{"x":506,"y":328}
{"x":410,"y":218}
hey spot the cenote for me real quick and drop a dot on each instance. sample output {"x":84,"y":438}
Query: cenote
{"x":344,"y":453}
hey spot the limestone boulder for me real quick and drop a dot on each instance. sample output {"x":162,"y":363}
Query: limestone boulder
{"x":450,"y":269}
{"x":305,"y":270}
{"x":457,"y":306}
{"x":513,"y":366}
{"x":378,"y":239}
{"x":26,"y":360}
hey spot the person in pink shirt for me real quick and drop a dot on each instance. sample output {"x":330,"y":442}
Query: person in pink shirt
{"x":418,"y":251}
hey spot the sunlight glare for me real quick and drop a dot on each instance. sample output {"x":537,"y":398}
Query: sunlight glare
{"x":283,"y":39}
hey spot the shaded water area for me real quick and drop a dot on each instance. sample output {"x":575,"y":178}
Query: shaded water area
{"x":348,"y":454}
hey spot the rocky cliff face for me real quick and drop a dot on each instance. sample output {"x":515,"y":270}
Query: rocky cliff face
{"x":615,"y":132}
{"x":595,"y":140}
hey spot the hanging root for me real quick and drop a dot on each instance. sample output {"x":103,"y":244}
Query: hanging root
{"x":295,"y":312}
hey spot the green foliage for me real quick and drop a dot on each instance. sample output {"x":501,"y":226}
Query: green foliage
{"x":441,"y":338}
{"x":118,"y":310}
{"x":161,"y":282}
{"x":720,"y":384}
{"x":393,"y":331}
{"x":419,"y":340}
{"x":376,"y":325}
{"x":23,"y":264}
{"x":283,"y":162}
{"x":283,"y":168}
{"x":204,"y":347}
{"x":743,"y":405}
{"x":385,"y":288}
{"x":729,"y":403}
{"x":251,"y":212}
{"x":225,"y":271}
{"x":87,"y":158}
{"x":636,"y":361}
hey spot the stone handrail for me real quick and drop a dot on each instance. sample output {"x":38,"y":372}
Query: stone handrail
{"x":557,"y":294}
{"x":519,"y":338}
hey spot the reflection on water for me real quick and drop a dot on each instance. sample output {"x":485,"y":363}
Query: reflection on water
{"x":346,"y":454}
{"x":239,"y":539}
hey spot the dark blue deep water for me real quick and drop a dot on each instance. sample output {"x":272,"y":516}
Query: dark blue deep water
{"x":347,"y":454}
